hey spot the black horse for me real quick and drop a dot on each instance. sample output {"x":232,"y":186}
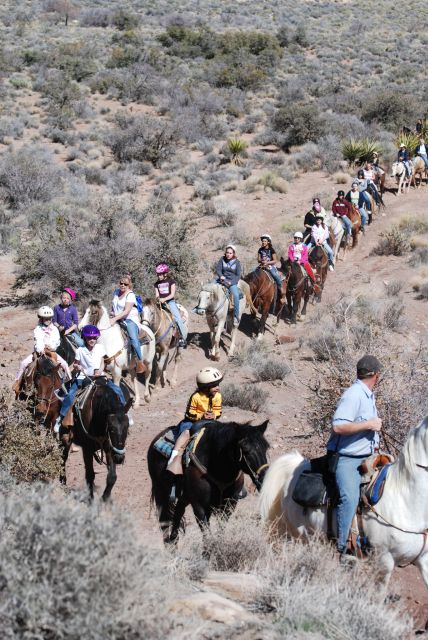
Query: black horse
{"x":66,"y":349}
{"x":213,"y":480}
{"x":299,"y":286}
{"x":100,"y":425}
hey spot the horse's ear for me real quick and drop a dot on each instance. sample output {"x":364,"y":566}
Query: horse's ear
{"x":262,"y":427}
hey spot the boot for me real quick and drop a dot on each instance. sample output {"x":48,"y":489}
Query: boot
{"x":141,"y":367}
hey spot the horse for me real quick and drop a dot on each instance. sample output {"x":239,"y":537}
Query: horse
{"x":100,"y":424}
{"x":214,"y":477}
{"x":213,"y":302}
{"x":400,"y":174}
{"x":319,"y":261}
{"x":263,"y":291}
{"x":118,"y":359}
{"x":379,"y":179}
{"x":420,"y":170}
{"x":163,"y":327}
{"x":337,"y":233}
{"x":355,"y":218}
{"x":299,"y":286}
{"x":397,"y":527}
{"x":66,"y":349}
{"x":41,"y":380}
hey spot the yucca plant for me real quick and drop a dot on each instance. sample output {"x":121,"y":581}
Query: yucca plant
{"x":237,"y":148}
{"x":411,"y":140}
{"x":357,"y":152}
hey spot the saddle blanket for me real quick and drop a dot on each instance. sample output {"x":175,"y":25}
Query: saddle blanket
{"x":165,"y":444}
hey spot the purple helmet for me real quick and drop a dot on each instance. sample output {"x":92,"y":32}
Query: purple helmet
{"x":90,"y":331}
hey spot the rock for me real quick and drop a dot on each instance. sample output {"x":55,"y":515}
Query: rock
{"x":211,"y":606}
{"x":239,"y":586}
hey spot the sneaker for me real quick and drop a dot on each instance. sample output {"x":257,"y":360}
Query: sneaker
{"x":331,"y":267}
{"x":130,"y":421}
{"x":182,"y":343}
{"x":57,"y":424}
{"x":235,"y":322}
{"x":347,"y":560}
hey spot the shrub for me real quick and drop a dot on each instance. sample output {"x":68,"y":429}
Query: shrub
{"x":359,"y":151}
{"x":27,"y":451}
{"x":420,"y":256}
{"x":95,"y":17}
{"x":226,"y":215}
{"x":299,"y":123}
{"x":143,"y":139}
{"x":415,"y":224}
{"x":390,"y":108}
{"x":246,"y":396}
{"x":237,"y":148}
{"x":423,"y":291}
{"x":124,"y":20}
{"x":271,"y":369}
{"x":29,"y":175}
{"x":411,"y":141}
{"x":391,"y":243}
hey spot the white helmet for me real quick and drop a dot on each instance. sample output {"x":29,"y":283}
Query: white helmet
{"x":45,"y":312}
{"x":209,"y":377}
{"x":231,"y":246}
{"x":267,"y":236}
{"x":298,"y":234}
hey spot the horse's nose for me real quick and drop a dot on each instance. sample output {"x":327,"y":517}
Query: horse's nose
{"x":119,"y":458}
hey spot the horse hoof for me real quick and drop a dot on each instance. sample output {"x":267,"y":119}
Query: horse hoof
{"x":147,"y":399}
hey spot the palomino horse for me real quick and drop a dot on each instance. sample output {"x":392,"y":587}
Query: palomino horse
{"x":299,"y":286}
{"x":117,"y":359}
{"x":420,"y":170}
{"x":163,"y":326}
{"x":213,"y":302}
{"x":101,"y":424}
{"x":319,"y":261}
{"x":397,"y":527}
{"x":214,"y":478}
{"x":337,"y":232}
{"x":263,"y":294}
{"x":400,"y":174}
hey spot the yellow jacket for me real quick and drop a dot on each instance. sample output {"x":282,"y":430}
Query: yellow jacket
{"x":199,"y":403}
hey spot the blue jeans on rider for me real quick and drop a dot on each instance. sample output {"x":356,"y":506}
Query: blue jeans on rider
{"x":172,"y":305}
{"x":364,"y":216}
{"x":328,"y":250}
{"x":235,"y":293}
{"x":186,"y":425}
{"x":348,"y":481}
{"x":347,"y":224}
{"x":133,"y":332}
{"x":118,"y":391}
{"x":407,"y":165}
{"x":77,"y":339}
{"x":367,"y":200}
{"x":69,"y":398}
{"x":275,"y":275}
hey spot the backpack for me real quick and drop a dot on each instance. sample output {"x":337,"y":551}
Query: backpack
{"x":139,"y":304}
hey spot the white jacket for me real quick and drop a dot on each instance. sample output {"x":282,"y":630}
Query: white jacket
{"x":320,"y":234}
{"x":46,"y":337}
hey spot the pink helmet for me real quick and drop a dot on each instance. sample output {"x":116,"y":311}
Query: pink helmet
{"x":71,"y":292}
{"x":162,"y":267}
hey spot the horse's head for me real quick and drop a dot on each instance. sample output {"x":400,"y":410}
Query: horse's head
{"x":117,"y":428}
{"x":285,"y":265}
{"x":204,"y":299}
{"x":95,"y":312}
{"x":397,"y":169}
{"x":254,"y":448}
{"x":149,"y":311}
{"x":46,"y":381}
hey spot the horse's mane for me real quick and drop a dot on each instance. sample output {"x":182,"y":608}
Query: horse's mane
{"x":45,"y":365}
{"x":209,"y":287}
{"x":414,"y":451}
{"x":222,"y":434}
{"x":107,"y":401}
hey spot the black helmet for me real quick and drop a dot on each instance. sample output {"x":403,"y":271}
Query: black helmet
{"x":361,"y":173}
{"x":340,"y":193}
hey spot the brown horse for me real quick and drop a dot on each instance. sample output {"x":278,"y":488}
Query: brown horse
{"x":40,"y":381}
{"x":264,"y":296}
{"x":419,"y":170}
{"x":319,"y":261}
{"x":100,"y":425}
{"x":355,"y":218}
{"x":299,"y":286}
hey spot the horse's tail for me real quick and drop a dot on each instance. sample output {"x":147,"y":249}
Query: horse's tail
{"x":274,"y":486}
{"x":247,"y":293}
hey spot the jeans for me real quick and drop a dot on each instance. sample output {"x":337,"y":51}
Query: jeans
{"x":347,"y":224}
{"x":235,"y":293}
{"x":328,"y":249}
{"x":367,"y":200}
{"x":77,"y":339}
{"x":408,"y":170}
{"x":348,"y":480}
{"x":133,"y":332}
{"x":364,"y":216}
{"x":275,"y":275}
{"x":69,"y":398}
{"x":172,"y":305}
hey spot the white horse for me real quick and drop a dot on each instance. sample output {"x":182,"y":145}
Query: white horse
{"x":338,"y":230}
{"x":213,"y":302}
{"x":397,"y":526}
{"x":117,"y":360}
{"x":400,"y":174}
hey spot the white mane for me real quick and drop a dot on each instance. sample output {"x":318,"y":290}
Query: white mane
{"x":415,"y":451}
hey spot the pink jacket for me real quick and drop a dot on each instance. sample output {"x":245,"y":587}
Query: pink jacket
{"x":304,"y":256}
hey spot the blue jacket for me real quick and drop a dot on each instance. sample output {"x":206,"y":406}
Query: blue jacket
{"x":403,"y":155}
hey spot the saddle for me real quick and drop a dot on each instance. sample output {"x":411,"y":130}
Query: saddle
{"x":142,"y":336}
{"x":165,"y":444}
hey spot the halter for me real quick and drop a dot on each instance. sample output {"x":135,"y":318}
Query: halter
{"x":255,"y":475}
{"x":221,"y":305}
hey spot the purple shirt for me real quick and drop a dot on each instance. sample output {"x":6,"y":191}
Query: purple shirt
{"x":65,"y":316}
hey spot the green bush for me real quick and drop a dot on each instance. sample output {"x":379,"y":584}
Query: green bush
{"x":143,"y":138}
{"x":357,"y":152}
{"x":299,"y":123}
{"x":390,"y":108}
{"x":391,"y":243}
{"x":245,"y":396}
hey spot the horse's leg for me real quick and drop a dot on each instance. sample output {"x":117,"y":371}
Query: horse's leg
{"x":177,"y":359}
{"x":354,"y":236}
{"x":177,"y":519}
{"x":264,"y":316}
{"x":65,"y":446}
{"x":217,"y":338}
{"x":88,"y":459}
{"x":306,"y":298}
{"x":111,"y":476}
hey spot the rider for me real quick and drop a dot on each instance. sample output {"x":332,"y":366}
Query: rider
{"x":204,"y":404}
{"x":310,"y":218}
{"x":421,"y":150}
{"x":403,"y":156}
{"x":65,"y":316}
{"x":343,"y":209}
{"x":46,"y":340}
{"x":354,"y":436}
{"x":367,"y":186}
{"x":298,"y":252}
{"x":356,"y":198}
{"x":124,"y":307}
{"x":267,"y":258}
{"x":319,"y":236}
{"x":228,"y":271}
{"x":165,"y":290}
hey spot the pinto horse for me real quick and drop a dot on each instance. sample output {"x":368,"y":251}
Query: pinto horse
{"x":319,"y":262}
{"x":101,"y":424}
{"x":214,"y":477}
{"x":299,"y":286}
{"x":263,"y":293}
{"x":396,"y":527}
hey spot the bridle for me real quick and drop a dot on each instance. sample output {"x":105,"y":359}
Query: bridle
{"x":220,"y":306}
{"x":255,"y":475}
{"x":39,"y":399}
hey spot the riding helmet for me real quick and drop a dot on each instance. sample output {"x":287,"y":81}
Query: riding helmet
{"x":208,"y":377}
{"x":162,"y":267}
{"x":298,"y":234}
{"x":90,"y":331}
{"x":230,"y":246}
{"x":45,"y":312}
{"x":266,"y":236}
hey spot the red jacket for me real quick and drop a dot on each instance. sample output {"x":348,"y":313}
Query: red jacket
{"x":341,"y":207}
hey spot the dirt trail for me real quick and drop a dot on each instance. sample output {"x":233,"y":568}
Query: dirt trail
{"x":288,"y":425}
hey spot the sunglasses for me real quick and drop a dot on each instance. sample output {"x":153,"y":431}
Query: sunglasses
{"x":125,"y":284}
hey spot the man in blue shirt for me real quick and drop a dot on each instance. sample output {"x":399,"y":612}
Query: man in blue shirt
{"x":355,"y":436}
